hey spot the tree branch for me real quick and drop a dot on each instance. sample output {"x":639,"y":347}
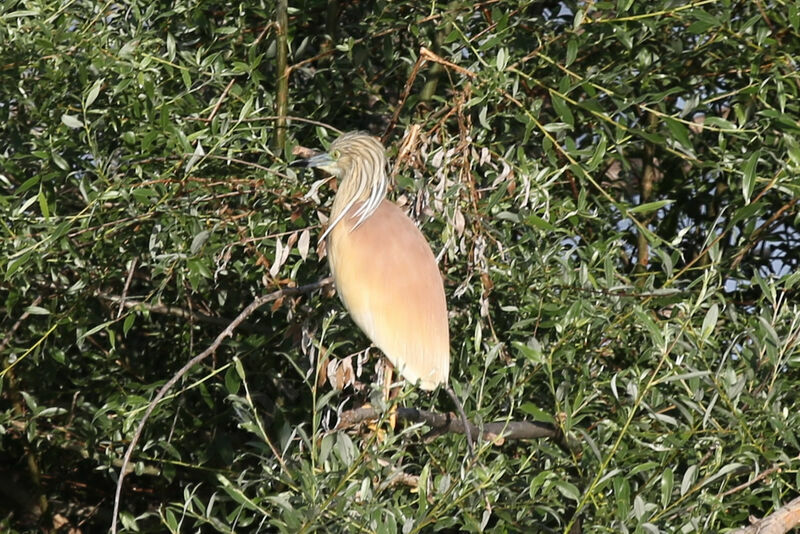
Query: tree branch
{"x":228,"y":331}
{"x":175,"y":311}
{"x":442,"y":423}
{"x":780,"y":521}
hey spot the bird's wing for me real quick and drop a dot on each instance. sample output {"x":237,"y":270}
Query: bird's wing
{"x":388,"y":279}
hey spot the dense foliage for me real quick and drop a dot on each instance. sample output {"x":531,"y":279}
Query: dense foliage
{"x":612,"y":190}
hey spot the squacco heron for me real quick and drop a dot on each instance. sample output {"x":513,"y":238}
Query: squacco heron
{"x":383,"y":267}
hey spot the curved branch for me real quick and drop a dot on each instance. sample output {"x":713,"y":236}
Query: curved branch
{"x":253,"y":306}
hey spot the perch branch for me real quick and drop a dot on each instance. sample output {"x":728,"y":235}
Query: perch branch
{"x":442,"y":423}
{"x":227,"y":332}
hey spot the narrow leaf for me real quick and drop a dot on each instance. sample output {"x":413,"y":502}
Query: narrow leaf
{"x":303,"y":243}
{"x":749,"y":182}
{"x":650,"y":206}
{"x":91,"y":96}
{"x":71,"y":121}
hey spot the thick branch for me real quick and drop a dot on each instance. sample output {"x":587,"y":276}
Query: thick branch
{"x":780,"y":521}
{"x":442,"y":423}
{"x":282,"y":64}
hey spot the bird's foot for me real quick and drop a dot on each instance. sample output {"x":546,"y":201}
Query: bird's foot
{"x":374,"y":425}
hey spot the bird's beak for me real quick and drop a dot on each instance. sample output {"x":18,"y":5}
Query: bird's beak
{"x":322,"y":161}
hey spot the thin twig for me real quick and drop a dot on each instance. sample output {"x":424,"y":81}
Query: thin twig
{"x":424,"y":55}
{"x":275,"y":118}
{"x":403,"y":96}
{"x":125,"y":289}
{"x":220,"y":100}
{"x":761,"y":476}
{"x":464,"y":421}
{"x":755,"y":237}
{"x":175,"y":311}
{"x":227,"y":332}
{"x":430,"y":56}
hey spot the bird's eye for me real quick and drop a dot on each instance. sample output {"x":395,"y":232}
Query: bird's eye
{"x":335,"y":154}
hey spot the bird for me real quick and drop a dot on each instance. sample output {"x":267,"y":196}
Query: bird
{"x":383,"y":267}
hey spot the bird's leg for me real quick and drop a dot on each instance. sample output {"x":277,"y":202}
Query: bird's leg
{"x":385,"y":371}
{"x":388,"y":392}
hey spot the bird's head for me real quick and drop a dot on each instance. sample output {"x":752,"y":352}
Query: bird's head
{"x":358,"y":160}
{"x":352,"y":154}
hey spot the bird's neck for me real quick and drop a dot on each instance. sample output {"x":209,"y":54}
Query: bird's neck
{"x":359,"y":195}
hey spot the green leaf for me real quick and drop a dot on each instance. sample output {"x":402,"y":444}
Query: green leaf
{"x":721,"y":123}
{"x":233,"y":380}
{"x":689,"y":478}
{"x":749,"y":182}
{"x":538,"y":222}
{"x":572,"y":51}
{"x":94,"y":330}
{"x":710,"y":321}
{"x":43,"y":206}
{"x":60,"y":162}
{"x":562,"y":109}
{"x":667,"y":481}
{"x":15,"y":264}
{"x":128,"y":323}
{"x":650,"y":206}
{"x":568,"y":490}
{"x":598,"y":155}
{"x":198,"y":241}
{"x":679,"y":132}
{"x":502,"y":57}
{"x":537,"y":413}
{"x":534,"y":354}
{"x":94,"y":91}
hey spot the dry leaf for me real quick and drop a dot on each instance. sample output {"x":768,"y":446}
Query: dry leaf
{"x":281,"y":254}
{"x":340,"y":373}
{"x":303,"y":243}
{"x":458,"y":222}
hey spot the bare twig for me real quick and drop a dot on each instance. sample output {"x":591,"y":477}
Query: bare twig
{"x":464,"y":421}
{"x":424,"y":55}
{"x":761,"y":476}
{"x":131,"y":270}
{"x":227,"y":332}
{"x":273,"y":118}
{"x":175,"y":311}
{"x":220,"y":100}
{"x":403,"y":96}
{"x":755,"y":237}
{"x":430,"y":56}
